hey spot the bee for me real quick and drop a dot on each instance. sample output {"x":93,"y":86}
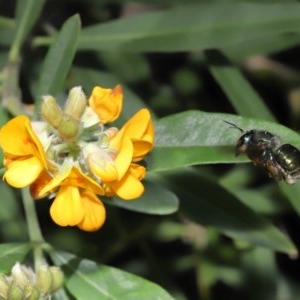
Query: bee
{"x":282,"y":161}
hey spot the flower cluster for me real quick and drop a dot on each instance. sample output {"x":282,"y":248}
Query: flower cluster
{"x":73,"y":155}
{"x":24,"y":283}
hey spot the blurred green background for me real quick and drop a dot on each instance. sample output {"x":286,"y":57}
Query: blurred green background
{"x":232,"y":57}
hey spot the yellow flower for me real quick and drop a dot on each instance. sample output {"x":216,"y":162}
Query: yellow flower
{"x":107,"y":168}
{"x":24,"y":156}
{"x":129,"y":186}
{"x":76,"y":167}
{"x":107,"y":103}
{"x":141,"y":132}
{"x":121,"y":176}
{"x":76,"y":203}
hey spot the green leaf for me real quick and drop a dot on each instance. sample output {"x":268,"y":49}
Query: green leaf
{"x":195,"y":137}
{"x":156,"y":200}
{"x":59,"y":59}
{"x":292,"y":193}
{"x":260,"y":200}
{"x":260,"y":46}
{"x":260,"y":270}
{"x":27,"y":13}
{"x":87,"y":278}
{"x":206,"y":202}
{"x":242,"y":96}
{"x":7,"y":31}
{"x":10,"y":254}
{"x":193,"y":27}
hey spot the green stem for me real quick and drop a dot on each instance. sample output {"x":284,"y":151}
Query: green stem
{"x":35,"y":234}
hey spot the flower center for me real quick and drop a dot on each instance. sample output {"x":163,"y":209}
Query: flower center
{"x":75,"y":136}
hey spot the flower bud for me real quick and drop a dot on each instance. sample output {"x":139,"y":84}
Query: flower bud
{"x":44,"y":279}
{"x":76,"y":103}
{"x":14,"y":292}
{"x":4,"y":285}
{"x":31,"y":293}
{"x":51,"y":111}
{"x":20,"y":275}
{"x":57,"y":279}
{"x":68,"y":127}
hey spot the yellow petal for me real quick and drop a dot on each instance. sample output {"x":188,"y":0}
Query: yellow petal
{"x":18,"y":139}
{"x":38,"y":149}
{"x":72,"y":177}
{"x":38,"y":185}
{"x":54,"y":183}
{"x":128,"y":188}
{"x":141,"y":132}
{"x":124,"y":157}
{"x":137,"y":171}
{"x":67,"y":208}
{"x":141,"y":149}
{"x":138,"y":124}
{"x":104,"y":170}
{"x":107,"y":103}
{"x":77,"y":178}
{"x":94,"y":212}
{"x":22,"y":173}
{"x":14,"y":137}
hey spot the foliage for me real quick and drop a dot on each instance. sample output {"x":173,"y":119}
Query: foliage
{"x":209,"y":226}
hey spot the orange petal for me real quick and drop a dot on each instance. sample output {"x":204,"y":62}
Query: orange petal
{"x":107,"y":103}
{"x":22,"y":173}
{"x":67,"y":208}
{"x":94,"y":212}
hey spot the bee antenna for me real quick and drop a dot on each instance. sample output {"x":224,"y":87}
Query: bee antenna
{"x":234,"y":126}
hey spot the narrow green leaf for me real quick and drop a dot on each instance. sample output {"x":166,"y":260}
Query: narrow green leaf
{"x":260,"y":201}
{"x":6,"y":22}
{"x":207,"y":203}
{"x":195,"y":137}
{"x":193,"y":27}
{"x":6,"y":37}
{"x":261,"y":46}
{"x":10,"y":254}
{"x":242,"y":96}
{"x":260,"y":270}
{"x":156,"y":200}
{"x":27,"y":13}
{"x":292,"y":193}
{"x":59,"y":59}
{"x":87,"y":278}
